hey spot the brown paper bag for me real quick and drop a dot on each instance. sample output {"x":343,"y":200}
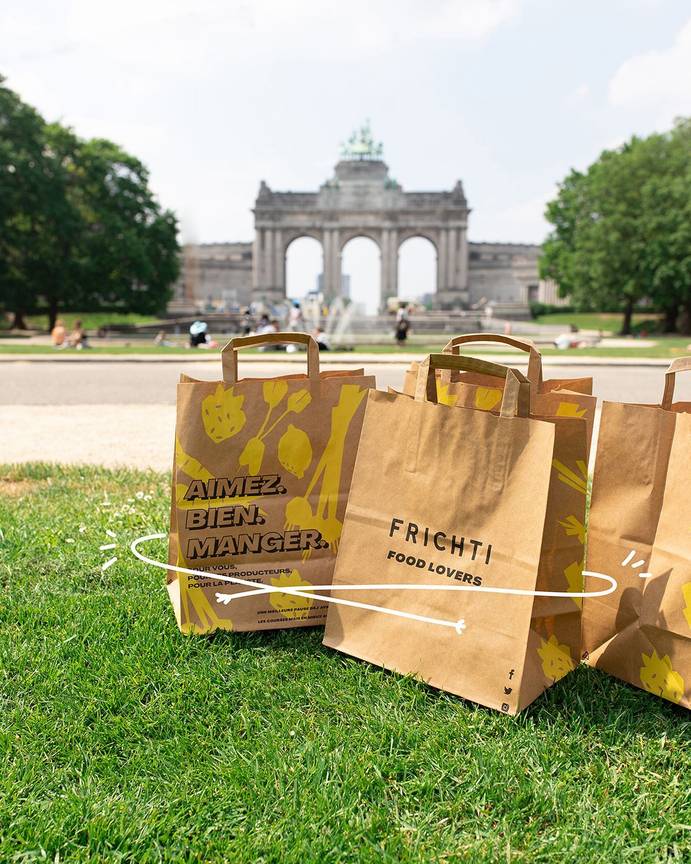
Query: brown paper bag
{"x":639,"y":532}
{"x":557,"y":397}
{"x":261,"y":475}
{"x":458,"y":497}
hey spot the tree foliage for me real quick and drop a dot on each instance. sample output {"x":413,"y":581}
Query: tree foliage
{"x":79,"y":226}
{"x":622,"y":229}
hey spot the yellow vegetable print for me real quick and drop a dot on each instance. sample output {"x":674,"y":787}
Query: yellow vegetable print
{"x":487,"y":398}
{"x":556,"y":658}
{"x":658,"y":677}
{"x":574,"y":578}
{"x":443,"y":395}
{"x":295,"y":451}
{"x":686,"y":591}
{"x":222,"y":414}
{"x":291,"y":605}
{"x":571,"y":409}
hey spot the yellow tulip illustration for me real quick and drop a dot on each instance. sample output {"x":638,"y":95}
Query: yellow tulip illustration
{"x":556,"y":658}
{"x":290,"y":605}
{"x":222,"y":414}
{"x":487,"y":398}
{"x":274,"y":391}
{"x":658,"y":677}
{"x":443,"y":395}
{"x":571,"y":409}
{"x":252,"y":455}
{"x":295,"y":451}
{"x":686,"y":592}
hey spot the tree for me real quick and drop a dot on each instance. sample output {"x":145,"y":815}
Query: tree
{"x":667,"y":215}
{"x":620,"y":229}
{"x":83,"y":228}
{"x":24,"y":194}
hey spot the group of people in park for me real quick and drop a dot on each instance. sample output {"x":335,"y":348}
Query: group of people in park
{"x":75,"y":338}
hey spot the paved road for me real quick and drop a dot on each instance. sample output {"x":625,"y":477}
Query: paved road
{"x":123,"y":383}
{"x":123,"y":413}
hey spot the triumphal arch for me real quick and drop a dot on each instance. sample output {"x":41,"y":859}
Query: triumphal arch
{"x":361,"y":200}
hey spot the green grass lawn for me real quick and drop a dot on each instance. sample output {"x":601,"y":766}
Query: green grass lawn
{"x":90,"y":320}
{"x":123,"y":741}
{"x":609,"y":322}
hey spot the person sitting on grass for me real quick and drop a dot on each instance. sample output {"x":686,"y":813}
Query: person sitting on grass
{"x":78,"y":338}
{"x":58,"y":334}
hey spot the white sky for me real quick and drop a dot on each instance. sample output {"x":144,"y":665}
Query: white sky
{"x":213,"y":96}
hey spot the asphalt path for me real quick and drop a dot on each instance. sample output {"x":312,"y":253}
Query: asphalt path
{"x":126,"y":383}
{"x":123,"y":413}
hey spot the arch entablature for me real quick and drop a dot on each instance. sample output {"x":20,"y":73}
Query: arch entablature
{"x":361,"y":201}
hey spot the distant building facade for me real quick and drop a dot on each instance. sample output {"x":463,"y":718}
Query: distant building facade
{"x":361,"y":199}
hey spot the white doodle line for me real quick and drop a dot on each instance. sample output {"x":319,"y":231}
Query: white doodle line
{"x":307,"y":591}
{"x":635,"y":565}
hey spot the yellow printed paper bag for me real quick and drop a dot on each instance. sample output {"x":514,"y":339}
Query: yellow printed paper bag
{"x":556,"y":397}
{"x":639,"y":532}
{"x":464,"y":504}
{"x":261,"y":475}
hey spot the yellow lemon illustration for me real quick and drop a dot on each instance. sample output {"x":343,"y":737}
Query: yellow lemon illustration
{"x":571,"y":409}
{"x":295,"y":450}
{"x":222,"y":414}
{"x":487,"y":398}
{"x":686,"y":591}
{"x":658,"y":677}
{"x":290,"y":605}
{"x":443,"y":395}
{"x":556,"y":658}
{"x":252,"y":455}
{"x":274,"y":391}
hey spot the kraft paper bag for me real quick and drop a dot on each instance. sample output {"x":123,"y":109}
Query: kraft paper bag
{"x":261,"y":475}
{"x":557,"y":397}
{"x":446,"y":496}
{"x":640,"y":533}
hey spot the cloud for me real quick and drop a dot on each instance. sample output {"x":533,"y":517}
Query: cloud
{"x":581,"y":92}
{"x":656,"y":80}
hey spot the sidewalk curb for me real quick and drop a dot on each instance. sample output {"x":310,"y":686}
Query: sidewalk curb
{"x":348,"y":359}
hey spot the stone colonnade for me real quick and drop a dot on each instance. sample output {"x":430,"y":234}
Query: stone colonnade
{"x":450,"y":244}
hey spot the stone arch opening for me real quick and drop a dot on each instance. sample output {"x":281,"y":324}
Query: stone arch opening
{"x":418,"y":269}
{"x":361,"y":272}
{"x":304,"y":266}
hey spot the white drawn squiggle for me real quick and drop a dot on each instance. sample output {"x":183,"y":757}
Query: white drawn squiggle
{"x":309,"y":591}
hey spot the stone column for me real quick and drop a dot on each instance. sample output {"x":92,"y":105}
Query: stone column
{"x":332,"y":264}
{"x":388,"y":279}
{"x":442,"y":278}
{"x":463,"y":262}
{"x":278,"y":279}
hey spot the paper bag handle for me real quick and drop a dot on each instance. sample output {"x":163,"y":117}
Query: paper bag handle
{"x":516,"y":396}
{"x":534,"y":358}
{"x":229,"y":354}
{"x":681,"y":364}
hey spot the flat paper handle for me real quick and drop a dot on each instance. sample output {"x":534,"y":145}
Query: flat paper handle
{"x":534,"y":359}
{"x":516,"y":395}
{"x":229,"y":354}
{"x":681,"y":364}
